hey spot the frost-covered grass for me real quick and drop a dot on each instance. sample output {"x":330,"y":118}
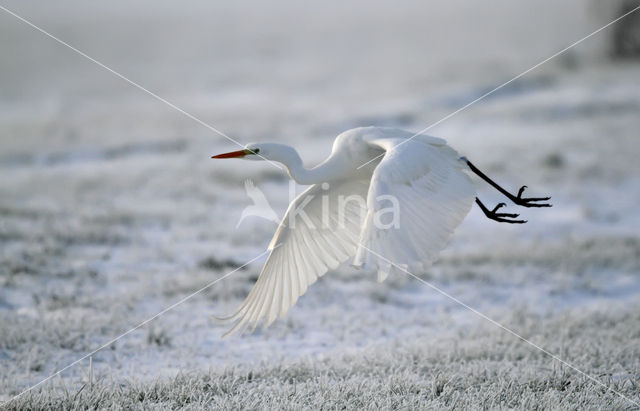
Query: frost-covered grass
{"x":476,"y":367}
{"x":111,"y":210}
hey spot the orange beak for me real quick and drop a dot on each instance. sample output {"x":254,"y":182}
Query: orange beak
{"x":234,"y":154}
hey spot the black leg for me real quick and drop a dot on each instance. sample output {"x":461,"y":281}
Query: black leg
{"x":519,"y":200}
{"x":499,"y":217}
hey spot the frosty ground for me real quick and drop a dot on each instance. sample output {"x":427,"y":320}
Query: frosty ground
{"x":110,"y":209}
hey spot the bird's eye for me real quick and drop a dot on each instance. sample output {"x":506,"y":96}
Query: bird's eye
{"x":255,"y":150}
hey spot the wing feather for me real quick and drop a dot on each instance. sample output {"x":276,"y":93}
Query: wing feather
{"x":301,"y":253}
{"x":434,"y":196}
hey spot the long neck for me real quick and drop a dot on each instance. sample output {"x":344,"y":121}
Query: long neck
{"x":328,"y":170}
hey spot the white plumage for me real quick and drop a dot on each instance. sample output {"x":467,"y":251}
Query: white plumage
{"x":424,"y":175}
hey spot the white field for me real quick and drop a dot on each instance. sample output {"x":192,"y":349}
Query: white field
{"x":111,"y":210}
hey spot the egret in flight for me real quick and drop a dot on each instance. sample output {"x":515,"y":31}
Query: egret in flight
{"x":417,"y":182}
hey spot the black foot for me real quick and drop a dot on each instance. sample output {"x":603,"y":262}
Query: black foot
{"x":529,"y":202}
{"x":499,"y":217}
{"x":524,"y":202}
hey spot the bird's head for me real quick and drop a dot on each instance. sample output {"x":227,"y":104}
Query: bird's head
{"x":263,"y":151}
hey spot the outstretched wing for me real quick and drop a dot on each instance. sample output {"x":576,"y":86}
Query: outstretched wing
{"x":320,"y":231}
{"x":425,"y":181}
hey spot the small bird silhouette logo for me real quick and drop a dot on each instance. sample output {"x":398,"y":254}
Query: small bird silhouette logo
{"x":260,"y":207}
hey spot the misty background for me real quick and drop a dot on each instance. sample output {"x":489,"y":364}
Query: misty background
{"x":111,"y":209}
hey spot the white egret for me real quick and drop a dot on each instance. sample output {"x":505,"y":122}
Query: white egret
{"x":421,"y":176}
